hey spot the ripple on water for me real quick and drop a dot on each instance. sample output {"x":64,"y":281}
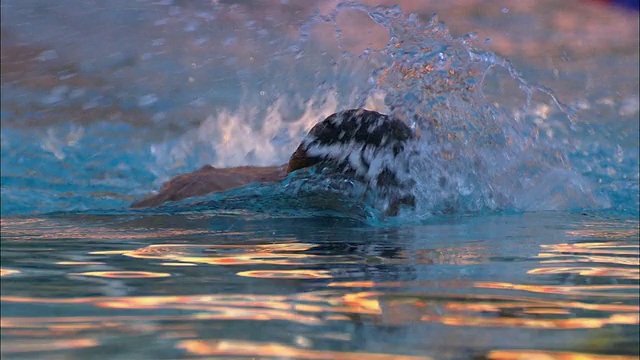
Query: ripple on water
{"x":321,"y":288}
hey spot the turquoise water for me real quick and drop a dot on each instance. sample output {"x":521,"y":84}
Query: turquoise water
{"x":524,"y":240}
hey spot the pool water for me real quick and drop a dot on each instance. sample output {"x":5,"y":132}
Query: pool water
{"x":523,"y":242}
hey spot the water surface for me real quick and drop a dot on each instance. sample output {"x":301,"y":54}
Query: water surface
{"x":523,"y":243}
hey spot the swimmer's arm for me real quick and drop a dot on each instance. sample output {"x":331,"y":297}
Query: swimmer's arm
{"x":208,"y":180}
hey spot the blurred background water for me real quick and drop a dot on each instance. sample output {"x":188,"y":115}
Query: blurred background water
{"x":524,"y":242}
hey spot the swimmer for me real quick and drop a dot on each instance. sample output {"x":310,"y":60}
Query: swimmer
{"x":361,"y":144}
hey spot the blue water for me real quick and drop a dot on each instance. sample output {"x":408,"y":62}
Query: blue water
{"x":523,"y":242}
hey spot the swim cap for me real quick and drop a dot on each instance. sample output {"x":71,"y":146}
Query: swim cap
{"x":362,"y":144}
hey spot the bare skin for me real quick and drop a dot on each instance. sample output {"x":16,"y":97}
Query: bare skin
{"x":208,"y":180}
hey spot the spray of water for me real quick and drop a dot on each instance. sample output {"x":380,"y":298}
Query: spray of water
{"x":259,"y":90}
{"x":472,"y":154}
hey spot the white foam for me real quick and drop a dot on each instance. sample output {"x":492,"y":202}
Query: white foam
{"x":230,"y":138}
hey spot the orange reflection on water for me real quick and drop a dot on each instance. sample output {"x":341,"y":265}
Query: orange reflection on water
{"x":293,"y":308}
{"x":604,"y":234}
{"x":365,"y":302}
{"x":287,"y":274}
{"x":364,"y":284}
{"x":208,"y":307}
{"x":532,"y":305}
{"x":6,"y":272}
{"x":229,"y":254}
{"x":265,"y":349}
{"x":123,"y":274}
{"x":109,"y":252}
{"x":400,"y":284}
{"x":395,"y":308}
{"x":32,"y":345}
{"x":227,"y":313}
{"x":618,"y":260}
{"x":541,"y":309}
{"x":550,"y":355}
{"x":607,"y":248}
{"x":213,"y":313}
{"x":10,"y":222}
{"x":178,"y":264}
{"x":81,"y":322}
{"x":564,"y":290}
{"x":621,"y":273}
{"x":534,"y":323}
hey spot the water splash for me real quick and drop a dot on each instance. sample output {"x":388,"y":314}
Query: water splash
{"x":473,"y":155}
{"x":478,"y":151}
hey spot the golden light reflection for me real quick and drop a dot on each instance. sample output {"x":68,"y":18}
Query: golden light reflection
{"x":584,"y":290}
{"x":491,"y":304}
{"x":233,"y":306}
{"x":534,"y":323}
{"x":123,"y":274}
{"x":400,"y":284}
{"x":227,"y":254}
{"x":265,"y":349}
{"x":7,"y":272}
{"x":206,"y":307}
{"x":621,"y":273}
{"x":109,"y":252}
{"x":321,"y":307}
{"x":11,"y":222}
{"x":365,"y":302}
{"x":178,"y":264}
{"x":345,"y":301}
{"x":617,"y":260}
{"x":606,"y":248}
{"x":32,"y":345}
{"x":287,"y":253}
{"x":550,"y":355}
{"x":287,"y":274}
{"x":364,"y":284}
{"x":604,"y":234}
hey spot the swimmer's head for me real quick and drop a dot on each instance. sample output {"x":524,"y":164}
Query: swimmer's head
{"x":335,"y":139}
{"x":362,"y":144}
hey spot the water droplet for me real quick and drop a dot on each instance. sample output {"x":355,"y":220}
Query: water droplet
{"x":147,"y":100}
{"x":619,"y":154}
{"x":159,"y":116}
{"x":76,"y":93}
{"x":47,"y":55}
{"x":191,"y":27}
{"x":200,"y":41}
